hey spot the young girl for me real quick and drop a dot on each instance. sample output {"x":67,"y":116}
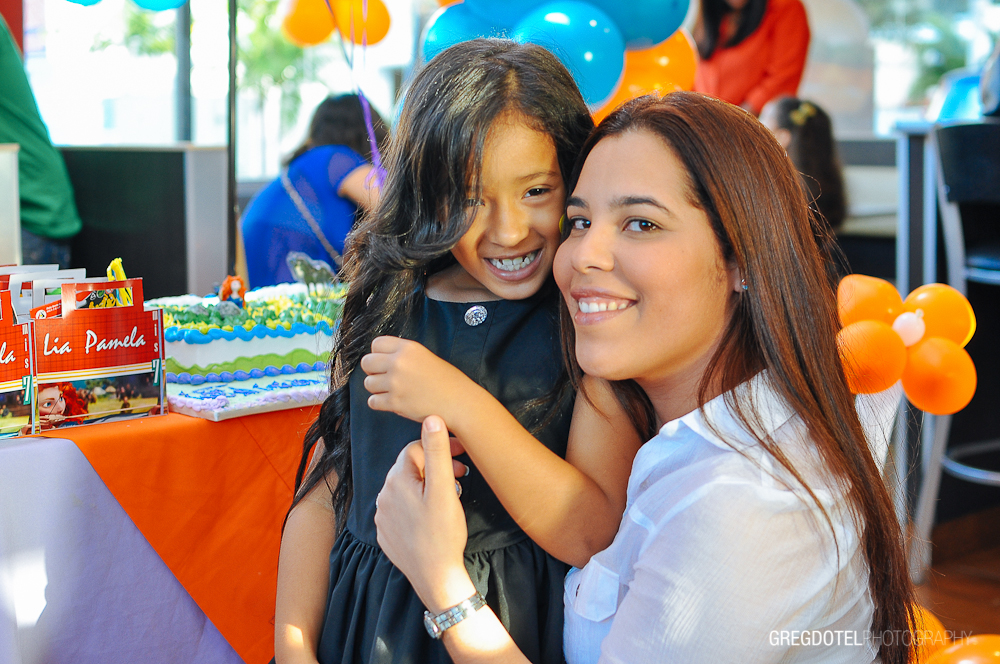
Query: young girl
{"x":806,"y":132}
{"x":457,"y":262}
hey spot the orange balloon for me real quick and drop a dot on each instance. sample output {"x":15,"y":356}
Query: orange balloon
{"x":979,"y":649}
{"x":873,"y":355}
{"x":307,"y":23}
{"x":358,"y":26}
{"x":946,"y":312}
{"x":666,"y":67}
{"x":860,"y":297}
{"x":929,"y":634}
{"x":940,"y":377}
{"x":449,"y":3}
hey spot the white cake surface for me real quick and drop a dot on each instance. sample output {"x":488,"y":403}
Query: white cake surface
{"x":222,"y":401}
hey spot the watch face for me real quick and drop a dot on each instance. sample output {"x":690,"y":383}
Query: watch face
{"x":431,"y":626}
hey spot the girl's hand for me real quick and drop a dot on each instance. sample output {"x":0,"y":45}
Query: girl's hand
{"x":51,"y":421}
{"x":407,"y":379}
{"x":420,"y":520}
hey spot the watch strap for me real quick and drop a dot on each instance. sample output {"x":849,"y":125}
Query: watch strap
{"x":437,"y":624}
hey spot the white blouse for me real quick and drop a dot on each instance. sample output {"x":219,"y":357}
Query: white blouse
{"x":718,"y":559}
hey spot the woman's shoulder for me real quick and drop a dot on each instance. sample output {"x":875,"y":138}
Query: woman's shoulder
{"x":779,"y":8}
{"x":712,"y":456}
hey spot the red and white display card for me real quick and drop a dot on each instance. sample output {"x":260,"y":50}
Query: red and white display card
{"x":16,"y":413}
{"x":98,"y":364}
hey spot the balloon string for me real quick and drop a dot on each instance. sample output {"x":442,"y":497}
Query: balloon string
{"x":377,"y":174}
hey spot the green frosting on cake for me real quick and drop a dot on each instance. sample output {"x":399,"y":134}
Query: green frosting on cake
{"x":249,"y":363}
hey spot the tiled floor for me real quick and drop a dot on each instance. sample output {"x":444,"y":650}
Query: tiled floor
{"x":964,"y":592}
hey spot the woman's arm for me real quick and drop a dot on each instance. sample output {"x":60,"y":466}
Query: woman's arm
{"x":789,"y":46}
{"x":421,"y":528}
{"x":584,"y":495}
{"x":357,"y":187}
{"x":303,"y":574}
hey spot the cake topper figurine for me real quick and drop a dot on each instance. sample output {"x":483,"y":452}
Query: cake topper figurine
{"x":233,"y":289}
{"x":317,"y":275}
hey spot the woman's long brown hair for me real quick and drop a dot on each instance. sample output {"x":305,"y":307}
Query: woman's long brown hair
{"x":785,"y":323}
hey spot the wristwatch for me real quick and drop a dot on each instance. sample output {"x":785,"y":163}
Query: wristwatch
{"x":437,"y":624}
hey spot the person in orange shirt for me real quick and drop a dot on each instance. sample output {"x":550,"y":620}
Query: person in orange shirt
{"x":751,"y":51}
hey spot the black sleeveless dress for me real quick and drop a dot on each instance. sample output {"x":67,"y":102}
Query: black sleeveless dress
{"x":373,"y":616}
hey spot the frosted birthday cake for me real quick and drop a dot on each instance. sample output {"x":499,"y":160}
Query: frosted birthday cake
{"x":225,"y":360}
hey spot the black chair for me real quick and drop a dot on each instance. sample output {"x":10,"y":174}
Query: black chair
{"x":967,"y":168}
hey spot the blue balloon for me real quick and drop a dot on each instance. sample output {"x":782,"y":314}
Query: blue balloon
{"x":85,"y":3}
{"x":645,"y":23}
{"x":159,"y":5}
{"x":586,"y":40}
{"x":449,"y":26}
{"x":503,"y":13}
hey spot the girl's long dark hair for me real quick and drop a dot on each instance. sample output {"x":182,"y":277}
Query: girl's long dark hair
{"x":433,"y":164}
{"x":814,"y":153}
{"x":340,"y":120}
{"x":785,"y":323}
{"x":712,"y":14}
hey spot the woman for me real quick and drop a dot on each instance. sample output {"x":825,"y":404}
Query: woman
{"x":806,"y":132}
{"x":312,"y":206}
{"x":750,"y":51}
{"x":757,"y":514}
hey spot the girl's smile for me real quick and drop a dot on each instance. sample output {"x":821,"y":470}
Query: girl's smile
{"x":507,"y":252}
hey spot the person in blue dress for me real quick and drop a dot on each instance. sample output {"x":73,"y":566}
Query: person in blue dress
{"x":312,"y":206}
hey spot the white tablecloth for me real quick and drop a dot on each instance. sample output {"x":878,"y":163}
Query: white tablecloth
{"x":78,"y":582}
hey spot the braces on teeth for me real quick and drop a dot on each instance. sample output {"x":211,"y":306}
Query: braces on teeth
{"x":514,"y":264}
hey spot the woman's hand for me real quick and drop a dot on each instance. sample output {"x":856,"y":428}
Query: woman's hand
{"x":407,"y":379}
{"x":420,"y":520}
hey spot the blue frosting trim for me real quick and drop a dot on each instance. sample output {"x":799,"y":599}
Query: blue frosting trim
{"x":185,"y":378}
{"x":193,"y":336}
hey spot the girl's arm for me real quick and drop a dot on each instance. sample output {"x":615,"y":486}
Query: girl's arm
{"x":583,"y":496}
{"x":421,"y":528}
{"x":303,"y":575}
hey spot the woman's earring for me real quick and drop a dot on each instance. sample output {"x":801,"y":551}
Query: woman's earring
{"x":743,"y":283}
{"x":562,"y":224}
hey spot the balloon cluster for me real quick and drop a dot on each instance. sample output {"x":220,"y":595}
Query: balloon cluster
{"x":935,"y":646}
{"x":919,"y":340}
{"x":979,"y":649}
{"x":615,"y":49}
{"x":311,"y":22}
{"x":152,"y":5}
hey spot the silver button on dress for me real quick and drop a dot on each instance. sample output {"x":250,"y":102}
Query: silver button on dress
{"x":476,"y":315}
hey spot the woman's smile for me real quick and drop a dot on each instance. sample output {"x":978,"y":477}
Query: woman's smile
{"x":592,"y":303}
{"x":641,"y":270}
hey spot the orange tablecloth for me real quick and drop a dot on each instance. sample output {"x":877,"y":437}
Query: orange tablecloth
{"x":210,"y":498}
